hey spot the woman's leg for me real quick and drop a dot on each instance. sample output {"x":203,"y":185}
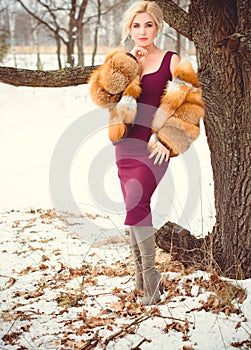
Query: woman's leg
{"x":138,"y":182}
{"x":145,"y":239}
{"x":137,"y":261}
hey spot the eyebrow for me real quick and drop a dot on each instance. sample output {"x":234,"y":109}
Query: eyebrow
{"x":148,"y":22}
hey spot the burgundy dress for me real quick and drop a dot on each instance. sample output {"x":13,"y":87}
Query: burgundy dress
{"x":138,"y":175}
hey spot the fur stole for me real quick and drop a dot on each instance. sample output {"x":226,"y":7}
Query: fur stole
{"x":176,"y":123}
{"x":115,"y":85}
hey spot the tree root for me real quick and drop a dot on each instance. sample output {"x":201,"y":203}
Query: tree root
{"x":184,"y":247}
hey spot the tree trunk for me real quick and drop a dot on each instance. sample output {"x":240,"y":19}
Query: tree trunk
{"x":95,"y":44}
{"x":80,"y":30}
{"x":178,"y":41}
{"x":222,"y":37}
{"x":71,"y":34}
{"x":226,"y":88}
{"x":58,"y":42}
{"x":70,"y":51}
{"x":80,"y":45}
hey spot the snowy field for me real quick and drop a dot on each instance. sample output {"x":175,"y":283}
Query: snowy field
{"x":66,"y":275}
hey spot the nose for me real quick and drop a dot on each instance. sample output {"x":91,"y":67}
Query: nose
{"x":142,"y":30}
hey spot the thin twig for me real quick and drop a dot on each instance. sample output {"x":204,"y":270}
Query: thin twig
{"x":222,"y":338}
{"x":20,"y":315}
{"x":129,"y":279}
{"x":116,"y":334}
{"x":90,"y":345}
{"x":174,"y":318}
{"x":137,"y":347}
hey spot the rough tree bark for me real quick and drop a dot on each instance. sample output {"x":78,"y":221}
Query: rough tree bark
{"x":54,"y":78}
{"x":221,"y":31}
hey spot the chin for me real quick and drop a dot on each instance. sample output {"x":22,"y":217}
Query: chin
{"x":143,"y":43}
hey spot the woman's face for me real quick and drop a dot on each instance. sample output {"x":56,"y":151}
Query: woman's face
{"x":143,"y":29}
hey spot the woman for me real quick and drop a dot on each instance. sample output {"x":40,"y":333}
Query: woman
{"x":139,"y":170}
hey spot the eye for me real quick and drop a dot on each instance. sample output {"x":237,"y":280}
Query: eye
{"x":149,"y":25}
{"x":135,"y":25}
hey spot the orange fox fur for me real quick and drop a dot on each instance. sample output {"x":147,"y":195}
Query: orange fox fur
{"x":116,"y":78}
{"x":177,"y":120}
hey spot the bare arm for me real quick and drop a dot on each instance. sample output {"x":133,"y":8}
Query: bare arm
{"x":175,"y":60}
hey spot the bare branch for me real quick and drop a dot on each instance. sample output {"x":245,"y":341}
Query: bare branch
{"x":104,"y":12}
{"x":176,"y":17}
{"x":45,"y":23}
{"x":82,"y":9}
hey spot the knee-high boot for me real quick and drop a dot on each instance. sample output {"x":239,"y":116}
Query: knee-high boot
{"x":137,"y":261}
{"x":145,"y":239}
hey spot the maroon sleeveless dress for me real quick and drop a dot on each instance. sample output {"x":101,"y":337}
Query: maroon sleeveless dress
{"x":138,"y":175}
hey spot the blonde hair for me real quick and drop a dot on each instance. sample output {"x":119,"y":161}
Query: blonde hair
{"x":149,"y":7}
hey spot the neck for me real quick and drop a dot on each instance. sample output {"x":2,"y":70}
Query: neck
{"x":150,"y":48}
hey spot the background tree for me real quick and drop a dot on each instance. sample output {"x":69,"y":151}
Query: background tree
{"x":64,"y":20}
{"x":3,"y":45}
{"x":97,"y":26}
{"x":102,"y":24}
{"x":11,"y":15}
{"x":3,"y":34}
{"x":221,"y":32}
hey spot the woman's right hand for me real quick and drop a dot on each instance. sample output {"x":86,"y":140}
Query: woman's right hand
{"x":139,"y":52}
{"x":158,"y":150}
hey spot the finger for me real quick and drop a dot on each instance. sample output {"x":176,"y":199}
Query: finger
{"x":155,"y":146}
{"x":152,"y":141}
{"x":162,"y":158}
{"x":142,"y":52}
{"x":158,"y":157}
{"x":153,"y":153}
{"x":167,"y":156}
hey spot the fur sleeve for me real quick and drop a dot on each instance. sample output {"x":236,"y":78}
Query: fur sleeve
{"x":115,"y":85}
{"x":177,"y":120}
{"x":114,"y":78}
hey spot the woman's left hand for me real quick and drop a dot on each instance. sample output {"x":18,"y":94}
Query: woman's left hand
{"x":160,"y":152}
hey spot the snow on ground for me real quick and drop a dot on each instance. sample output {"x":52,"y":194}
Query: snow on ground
{"x":60,"y":293}
{"x":66,"y":275}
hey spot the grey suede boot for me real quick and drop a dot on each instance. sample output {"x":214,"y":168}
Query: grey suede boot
{"x":137,"y":261}
{"x":145,"y":240}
